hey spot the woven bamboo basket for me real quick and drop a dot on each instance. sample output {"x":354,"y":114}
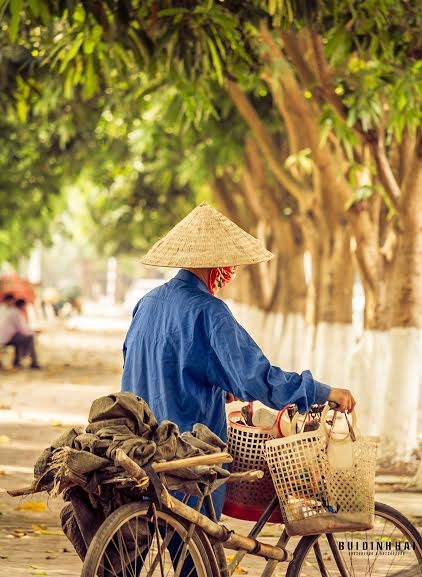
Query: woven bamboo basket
{"x":315,"y":494}
{"x":246,"y":445}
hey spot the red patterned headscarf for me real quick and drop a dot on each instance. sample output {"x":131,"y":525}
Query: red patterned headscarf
{"x":220,"y":277}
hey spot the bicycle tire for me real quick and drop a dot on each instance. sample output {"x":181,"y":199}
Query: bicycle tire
{"x":379,"y":552}
{"x":125,"y":546}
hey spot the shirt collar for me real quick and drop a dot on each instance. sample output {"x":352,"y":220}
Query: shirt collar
{"x":191,"y":279}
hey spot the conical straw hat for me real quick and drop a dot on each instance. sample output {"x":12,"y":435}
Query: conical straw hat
{"x":206,"y":238}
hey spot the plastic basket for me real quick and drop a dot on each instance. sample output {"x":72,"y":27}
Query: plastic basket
{"x":247,"y":500}
{"x":315,"y":494}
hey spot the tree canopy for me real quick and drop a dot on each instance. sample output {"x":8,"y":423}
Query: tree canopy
{"x":137,"y":98}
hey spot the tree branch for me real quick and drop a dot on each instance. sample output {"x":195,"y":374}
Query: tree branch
{"x":413,"y":184}
{"x":269,"y":201}
{"x":406,"y":151}
{"x":223,"y":198}
{"x":325,"y":77}
{"x":264,"y":141}
{"x":289,"y":122}
{"x":385,"y":173}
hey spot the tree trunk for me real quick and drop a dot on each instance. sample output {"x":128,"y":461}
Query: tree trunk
{"x":403,"y":384}
{"x":334,"y":310}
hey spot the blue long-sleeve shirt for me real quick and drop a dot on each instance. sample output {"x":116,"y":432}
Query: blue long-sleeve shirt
{"x":184,"y":351}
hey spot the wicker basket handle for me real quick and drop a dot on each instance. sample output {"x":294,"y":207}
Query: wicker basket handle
{"x":351,"y":434}
{"x":292,"y":428}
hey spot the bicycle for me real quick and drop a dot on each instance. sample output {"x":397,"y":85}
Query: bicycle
{"x":142,"y":539}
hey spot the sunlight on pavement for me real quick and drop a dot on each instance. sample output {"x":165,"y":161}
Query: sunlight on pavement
{"x":17,"y":469}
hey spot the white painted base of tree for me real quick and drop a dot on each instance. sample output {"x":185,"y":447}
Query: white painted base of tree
{"x":399,"y":434}
{"x":287,"y":342}
{"x":294,"y":344}
{"x":252,"y":319}
{"x":331,"y":353}
{"x":383,"y":370}
{"x":368,"y":375}
{"x":284,"y":340}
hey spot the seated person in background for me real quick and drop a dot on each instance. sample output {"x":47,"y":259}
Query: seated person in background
{"x":15,"y":331}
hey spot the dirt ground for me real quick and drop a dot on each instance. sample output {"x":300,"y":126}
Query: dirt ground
{"x":81,"y":362}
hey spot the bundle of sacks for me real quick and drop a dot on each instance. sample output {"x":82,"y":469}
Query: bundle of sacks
{"x":79,"y":462}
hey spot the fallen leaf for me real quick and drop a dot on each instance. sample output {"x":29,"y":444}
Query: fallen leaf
{"x":56,"y":423}
{"x":17,"y":534}
{"x":49,"y":532}
{"x":240,"y":570}
{"x":4,"y":440}
{"x":32,"y":506}
{"x":39,"y":527}
{"x":4,"y":407}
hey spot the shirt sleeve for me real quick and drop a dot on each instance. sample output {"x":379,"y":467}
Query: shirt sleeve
{"x":237,"y":365}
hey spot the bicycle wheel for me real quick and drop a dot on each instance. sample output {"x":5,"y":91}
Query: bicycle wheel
{"x":133,"y":542}
{"x":393,"y":548}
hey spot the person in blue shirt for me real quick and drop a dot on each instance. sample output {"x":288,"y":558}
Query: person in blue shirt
{"x":186,"y":354}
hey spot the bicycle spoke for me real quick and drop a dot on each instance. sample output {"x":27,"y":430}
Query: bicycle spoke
{"x":130,"y":557}
{"x":392,"y":548}
{"x":110,"y":567}
{"x":138,"y":541}
{"x":157,"y":535}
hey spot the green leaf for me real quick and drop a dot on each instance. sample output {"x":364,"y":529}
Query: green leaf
{"x":216,"y":61}
{"x":401,"y":100}
{"x":139,"y":47}
{"x":35,"y":7}
{"x":15,"y":10}
{"x":22,"y":109}
{"x":91,"y":82}
{"x":351,"y":116}
{"x":272,"y":7}
{"x":362,"y":193}
{"x":69,"y":87}
{"x":173,"y":12}
{"x":71,"y":53}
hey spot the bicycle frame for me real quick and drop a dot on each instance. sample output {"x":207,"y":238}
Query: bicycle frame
{"x":218,"y":532}
{"x":230,"y":539}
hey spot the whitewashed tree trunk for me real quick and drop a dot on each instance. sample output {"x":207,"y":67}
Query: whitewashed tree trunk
{"x":273,"y":330}
{"x":264,"y":328}
{"x":331,"y":354}
{"x":286,"y":341}
{"x":251,"y":318}
{"x":399,"y":434}
{"x":369,"y":373}
{"x":293,"y":349}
